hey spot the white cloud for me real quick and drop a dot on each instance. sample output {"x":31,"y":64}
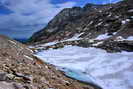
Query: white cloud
{"x":30,"y":12}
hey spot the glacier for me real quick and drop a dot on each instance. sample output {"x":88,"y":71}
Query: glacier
{"x":93,"y":65}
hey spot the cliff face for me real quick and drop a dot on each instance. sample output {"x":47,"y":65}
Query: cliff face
{"x":19,"y":69}
{"x":115,"y":20}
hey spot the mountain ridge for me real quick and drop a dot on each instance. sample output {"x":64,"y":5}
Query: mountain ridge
{"x":110,"y":23}
{"x":67,"y":14}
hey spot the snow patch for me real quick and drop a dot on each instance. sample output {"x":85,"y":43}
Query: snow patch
{"x":102,"y":37}
{"x":109,"y":70}
{"x":91,"y":40}
{"x":98,"y":43}
{"x":117,"y":17}
{"x":109,"y":15}
{"x":28,"y":57}
{"x":100,"y":11}
{"x":99,"y":24}
{"x":132,"y":17}
{"x":75,"y":37}
{"x":125,"y":21}
{"x":12,"y":42}
{"x":120,"y":38}
{"x":130,"y":10}
{"x":50,"y":43}
{"x":91,"y":23}
{"x":130,"y":38}
{"x":30,"y":50}
{"x":31,"y":47}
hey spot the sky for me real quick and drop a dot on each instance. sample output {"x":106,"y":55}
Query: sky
{"x":21,"y":18}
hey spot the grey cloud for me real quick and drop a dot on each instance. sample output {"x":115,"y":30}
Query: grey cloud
{"x":29,"y":14}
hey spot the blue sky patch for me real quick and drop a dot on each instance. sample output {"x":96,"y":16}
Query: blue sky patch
{"x":83,"y":2}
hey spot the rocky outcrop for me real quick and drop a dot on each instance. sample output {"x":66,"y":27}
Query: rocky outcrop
{"x":19,"y":69}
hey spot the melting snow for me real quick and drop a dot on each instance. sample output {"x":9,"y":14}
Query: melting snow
{"x":99,"y":24}
{"x":98,"y":43}
{"x":125,"y":21}
{"x":12,"y":42}
{"x":103,"y":36}
{"x":49,"y":44}
{"x":100,"y":11}
{"x":28,"y":57}
{"x":75,"y":37}
{"x":130,"y":38}
{"x":108,"y":70}
{"x":110,"y":15}
{"x":90,"y":22}
{"x":120,"y":38}
{"x":130,"y":10}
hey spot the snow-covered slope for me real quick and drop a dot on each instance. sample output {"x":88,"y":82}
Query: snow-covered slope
{"x":107,"y":70}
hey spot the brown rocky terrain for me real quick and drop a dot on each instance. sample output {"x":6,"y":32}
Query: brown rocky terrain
{"x":19,"y":69}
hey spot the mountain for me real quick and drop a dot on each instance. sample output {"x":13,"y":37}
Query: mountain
{"x":111,"y":22}
{"x":66,"y":22}
{"x":20,"y":69}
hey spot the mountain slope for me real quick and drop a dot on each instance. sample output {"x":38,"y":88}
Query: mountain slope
{"x":113,"y":20}
{"x":19,"y":69}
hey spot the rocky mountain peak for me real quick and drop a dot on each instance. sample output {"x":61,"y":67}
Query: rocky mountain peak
{"x":65,"y":15}
{"x":91,"y":6}
{"x":89,"y":21}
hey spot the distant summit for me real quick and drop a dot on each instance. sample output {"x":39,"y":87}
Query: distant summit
{"x":91,"y":20}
